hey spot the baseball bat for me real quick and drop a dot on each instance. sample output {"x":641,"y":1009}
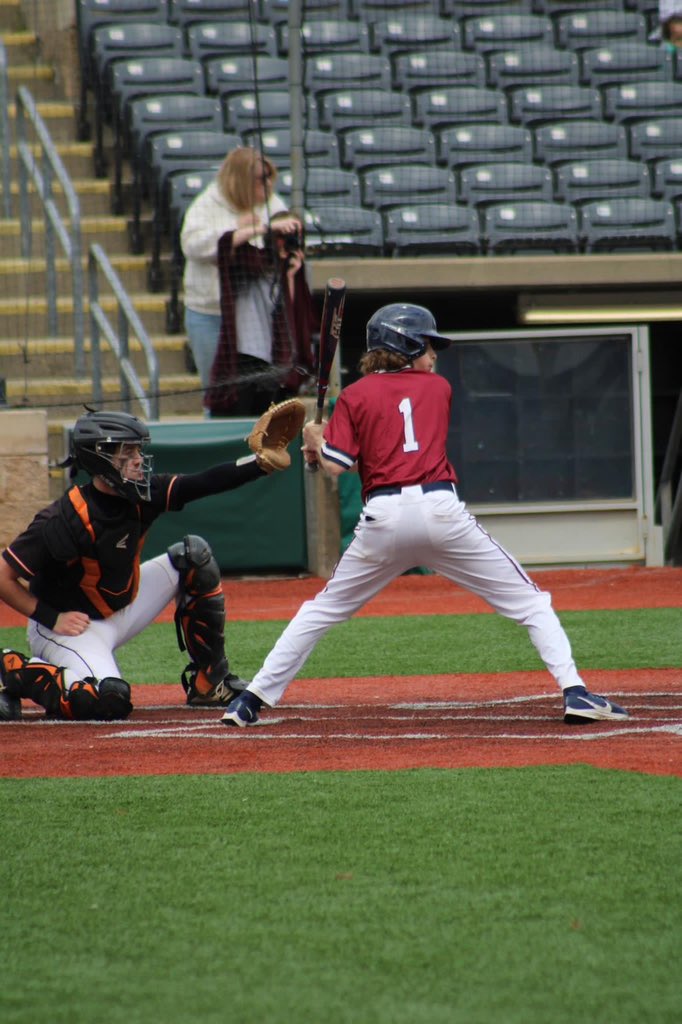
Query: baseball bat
{"x":330,"y":335}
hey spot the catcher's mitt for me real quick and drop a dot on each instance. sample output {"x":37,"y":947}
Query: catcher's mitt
{"x":274,"y":431}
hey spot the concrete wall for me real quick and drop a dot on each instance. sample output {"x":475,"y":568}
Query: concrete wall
{"x":24,"y":478}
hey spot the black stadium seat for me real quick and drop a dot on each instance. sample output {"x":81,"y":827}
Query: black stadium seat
{"x":363,"y":148}
{"x":323,"y":186}
{"x":91,"y":14}
{"x":321,"y":149}
{"x":210,"y":39}
{"x":655,"y":139}
{"x":329,"y":71}
{"x":263,"y":111}
{"x":583,"y":30}
{"x":383,"y":187}
{"x":560,"y":141}
{"x":531,"y":65}
{"x":243,"y":73}
{"x":439,"y":69}
{"x":667,"y":178}
{"x":538,"y":104}
{"x":432,"y":229}
{"x":356,"y":108}
{"x":500,"y":31}
{"x":631,"y":225}
{"x":540,"y":226}
{"x":343,"y":231}
{"x":326,"y":35}
{"x":438,"y":109}
{"x":586,"y":180}
{"x":187,"y":12}
{"x":613,"y":63}
{"x":401,"y":32}
{"x":641,"y":101}
{"x":499,"y":182}
{"x":468,"y":144}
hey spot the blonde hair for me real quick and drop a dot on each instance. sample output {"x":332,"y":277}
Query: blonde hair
{"x":381,"y":359}
{"x":238,"y":174}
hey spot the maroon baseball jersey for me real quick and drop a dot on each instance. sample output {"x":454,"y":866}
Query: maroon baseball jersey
{"x":395,"y":426}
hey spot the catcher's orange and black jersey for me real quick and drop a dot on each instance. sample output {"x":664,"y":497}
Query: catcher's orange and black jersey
{"x":82,"y":552}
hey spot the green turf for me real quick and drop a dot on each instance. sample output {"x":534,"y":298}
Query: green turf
{"x":422,"y":645}
{"x":418,"y":897}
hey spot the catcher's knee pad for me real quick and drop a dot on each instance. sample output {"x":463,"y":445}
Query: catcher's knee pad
{"x":103,"y":701}
{"x":44,"y":684}
{"x":200,"y":614}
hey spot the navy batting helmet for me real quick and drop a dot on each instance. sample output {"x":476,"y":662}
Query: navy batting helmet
{"x":96,"y":440}
{"x":405,"y":329}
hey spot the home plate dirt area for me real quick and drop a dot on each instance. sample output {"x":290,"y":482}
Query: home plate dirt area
{"x":444,"y":721}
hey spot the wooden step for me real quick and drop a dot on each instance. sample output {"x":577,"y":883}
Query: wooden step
{"x":32,"y":312}
{"x":110,"y":232}
{"x":59,"y":117}
{"x":27,"y":276}
{"x":45,"y":356}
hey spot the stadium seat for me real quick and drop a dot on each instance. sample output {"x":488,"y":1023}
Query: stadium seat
{"x":225,"y":76}
{"x":126,"y":41}
{"x":401,"y":32}
{"x":322,"y":186}
{"x":556,"y":8}
{"x":584,"y":30}
{"x":642,"y":101}
{"x":343,"y":231}
{"x":440,"y":69}
{"x":327,"y":35}
{"x":432,"y":229}
{"x":277,"y":11}
{"x":435,"y":109}
{"x":537,"y":104}
{"x":560,"y":141}
{"x":384,"y":187}
{"x":362,"y":148}
{"x":321,"y":149}
{"x":655,"y":139}
{"x":91,"y":14}
{"x":531,"y":65}
{"x":210,"y":39}
{"x":333,"y":71}
{"x":585,"y":180}
{"x":540,"y":226}
{"x":147,"y":76}
{"x":462,"y":9}
{"x":148,"y":116}
{"x":667,"y":178}
{"x":486,"y":183}
{"x":624,"y":63}
{"x":357,"y":108}
{"x":500,"y":31}
{"x":263,"y":111}
{"x":481,"y":143}
{"x":376,"y":10}
{"x":631,"y":225}
{"x":187,"y":12}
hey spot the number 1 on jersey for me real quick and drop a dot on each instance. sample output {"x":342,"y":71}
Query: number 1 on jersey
{"x":411,"y":444}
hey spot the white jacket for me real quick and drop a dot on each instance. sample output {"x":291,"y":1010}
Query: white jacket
{"x":207,"y":218}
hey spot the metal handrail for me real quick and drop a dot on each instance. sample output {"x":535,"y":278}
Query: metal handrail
{"x":5,"y":137}
{"x":55,"y":225}
{"x":98,"y":262}
{"x":669,"y":498}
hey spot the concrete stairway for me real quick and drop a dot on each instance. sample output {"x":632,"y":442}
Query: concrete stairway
{"x":38,"y":370}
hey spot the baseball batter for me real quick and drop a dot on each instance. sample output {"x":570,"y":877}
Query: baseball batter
{"x":76,"y":574}
{"x":392,"y":425}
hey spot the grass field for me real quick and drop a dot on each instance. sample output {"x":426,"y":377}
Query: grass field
{"x":477,"y":896}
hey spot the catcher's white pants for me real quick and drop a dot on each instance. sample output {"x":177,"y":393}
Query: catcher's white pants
{"x":92,"y":653}
{"x":399,"y":532}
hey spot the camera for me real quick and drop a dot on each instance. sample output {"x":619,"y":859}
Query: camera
{"x":292,"y":241}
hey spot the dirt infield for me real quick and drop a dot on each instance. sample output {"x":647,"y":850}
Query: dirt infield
{"x":505,"y":719}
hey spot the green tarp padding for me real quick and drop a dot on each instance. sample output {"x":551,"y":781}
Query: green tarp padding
{"x":258,"y":527}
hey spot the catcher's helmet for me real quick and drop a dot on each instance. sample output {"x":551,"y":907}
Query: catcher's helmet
{"x":405,"y":329}
{"x":96,"y":439}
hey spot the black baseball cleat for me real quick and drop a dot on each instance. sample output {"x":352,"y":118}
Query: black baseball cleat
{"x":243,"y":710}
{"x":10,"y":704}
{"x":10,"y":707}
{"x":580,"y":707}
{"x":221,"y":694}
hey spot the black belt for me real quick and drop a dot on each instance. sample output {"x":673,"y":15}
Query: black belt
{"x":439,"y":485}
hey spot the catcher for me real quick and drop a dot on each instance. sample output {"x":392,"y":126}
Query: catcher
{"x":76,"y":571}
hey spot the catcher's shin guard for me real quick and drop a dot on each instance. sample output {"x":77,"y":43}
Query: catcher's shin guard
{"x":200,"y":623}
{"x":86,"y":699}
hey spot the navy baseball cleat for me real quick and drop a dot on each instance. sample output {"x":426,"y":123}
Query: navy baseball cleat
{"x":243,"y":710}
{"x":580,"y":706}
